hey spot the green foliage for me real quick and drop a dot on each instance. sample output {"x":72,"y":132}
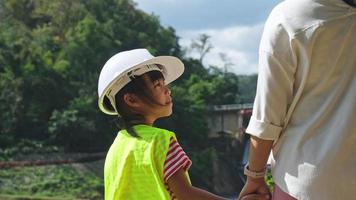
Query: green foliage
{"x":202,"y":169}
{"x":51,"y":54}
{"x":25,"y":147}
{"x":50,"y":58}
{"x":247,"y":88}
{"x":62,"y":181}
{"x":269,"y":180}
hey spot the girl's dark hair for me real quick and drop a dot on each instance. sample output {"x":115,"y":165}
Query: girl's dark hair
{"x":350,"y":2}
{"x":138,"y":87}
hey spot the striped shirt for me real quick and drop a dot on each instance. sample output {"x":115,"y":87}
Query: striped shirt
{"x":176,"y":159}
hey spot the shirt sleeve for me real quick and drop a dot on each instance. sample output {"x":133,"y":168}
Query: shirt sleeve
{"x":176,"y":159}
{"x":277,"y":66}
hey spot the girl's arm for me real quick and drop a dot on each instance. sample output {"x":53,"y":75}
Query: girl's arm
{"x":182,"y":189}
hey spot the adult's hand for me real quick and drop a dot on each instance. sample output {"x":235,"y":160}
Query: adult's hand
{"x":258,"y":187}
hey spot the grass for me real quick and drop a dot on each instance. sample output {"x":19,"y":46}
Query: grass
{"x":19,"y":197}
{"x":51,"y":182}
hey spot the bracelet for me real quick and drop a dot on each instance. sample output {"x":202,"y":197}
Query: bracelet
{"x":253,"y":174}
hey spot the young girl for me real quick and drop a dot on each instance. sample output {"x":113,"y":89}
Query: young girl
{"x":144,"y":162}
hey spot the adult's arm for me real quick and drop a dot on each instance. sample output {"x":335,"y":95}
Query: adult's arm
{"x":278,"y":62}
{"x":259,"y":152}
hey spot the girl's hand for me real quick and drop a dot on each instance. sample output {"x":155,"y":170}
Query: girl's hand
{"x":255,"y":189}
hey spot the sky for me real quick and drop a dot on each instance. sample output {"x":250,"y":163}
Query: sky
{"x":235,"y":27}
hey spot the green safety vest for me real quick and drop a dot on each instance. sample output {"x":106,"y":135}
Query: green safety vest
{"x":134,"y":165}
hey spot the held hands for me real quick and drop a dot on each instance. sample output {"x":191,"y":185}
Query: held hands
{"x":255,"y":189}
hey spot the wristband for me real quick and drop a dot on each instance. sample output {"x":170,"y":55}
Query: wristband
{"x":253,"y":174}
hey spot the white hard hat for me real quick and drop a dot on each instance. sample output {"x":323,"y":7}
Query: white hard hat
{"x":119,"y":69}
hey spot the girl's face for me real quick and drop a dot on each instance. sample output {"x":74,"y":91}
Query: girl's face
{"x":162,"y":107}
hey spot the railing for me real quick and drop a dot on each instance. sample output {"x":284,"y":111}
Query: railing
{"x":230,"y":107}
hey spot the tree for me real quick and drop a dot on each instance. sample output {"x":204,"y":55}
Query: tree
{"x":202,"y":45}
{"x":50,"y":59}
{"x":247,"y":88}
{"x":51,"y":54}
{"x":227,"y":62}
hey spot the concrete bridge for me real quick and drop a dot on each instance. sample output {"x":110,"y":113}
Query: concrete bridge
{"x":229,"y":119}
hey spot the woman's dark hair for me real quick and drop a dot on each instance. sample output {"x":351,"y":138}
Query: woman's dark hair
{"x":138,"y":87}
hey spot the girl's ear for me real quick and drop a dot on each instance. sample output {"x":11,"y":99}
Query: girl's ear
{"x":132,"y":100}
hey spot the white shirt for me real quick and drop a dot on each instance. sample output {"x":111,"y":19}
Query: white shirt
{"x":306,"y":98}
